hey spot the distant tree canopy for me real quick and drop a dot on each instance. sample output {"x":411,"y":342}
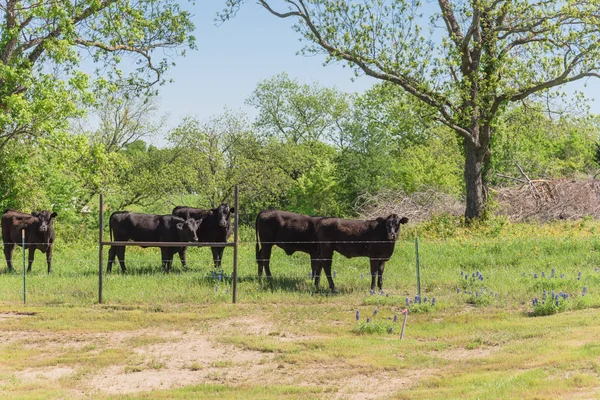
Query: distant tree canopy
{"x":465,"y":60}
{"x":377,"y":141}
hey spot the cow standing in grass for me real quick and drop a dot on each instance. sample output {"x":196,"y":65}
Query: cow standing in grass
{"x":125,"y":226}
{"x":215,"y":228}
{"x":290,"y":231}
{"x":39,"y":234}
{"x":373,"y":238}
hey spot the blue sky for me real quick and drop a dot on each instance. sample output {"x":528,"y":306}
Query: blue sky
{"x":233,"y":58}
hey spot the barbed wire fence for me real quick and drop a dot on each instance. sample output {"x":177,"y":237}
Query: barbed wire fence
{"x":412,"y":262}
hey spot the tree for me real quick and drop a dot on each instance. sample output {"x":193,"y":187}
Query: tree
{"x":486,"y":54}
{"x":43,"y":43}
{"x":300,"y":113}
{"x":124,"y":119}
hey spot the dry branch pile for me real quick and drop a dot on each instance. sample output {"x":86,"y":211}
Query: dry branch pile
{"x":545,"y":200}
{"x":418,"y":206}
{"x":535,"y":200}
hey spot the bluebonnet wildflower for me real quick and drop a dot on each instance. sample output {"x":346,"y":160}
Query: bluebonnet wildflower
{"x":407,"y":301}
{"x":552,"y":276}
{"x":424,"y":299}
{"x":395,"y":318}
{"x":433,"y":301}
{"x":371,"y":291}
{"x":390,"y":330}
{"x":535,"y":276}
{"x":368,"y":320}
{"x":417,"y":299}
{"x":556,"y":303}
{"x":584,"y":290}
{"x":357,"y":315}
{"x":375,"y":312}
{"x":458,"y":290}
{"x":562,"y":275}
{"x":543,"y":274}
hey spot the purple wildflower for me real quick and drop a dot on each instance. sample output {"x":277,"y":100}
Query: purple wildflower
{"x":543,"y":274}
{"x":584,"y":290}
{"x":395,"y":318}
{"x":357,"y":315}
{"x":458,"y":290}
{"x":562,"y":275}
{"x":406,"y":301}
{"x":371,"y":291}
{"x":535,"y":276}
{"x":368,"y":320}
{"x":390,"y":330}
{"x":433,"y":301}
{"x":375,"y":312}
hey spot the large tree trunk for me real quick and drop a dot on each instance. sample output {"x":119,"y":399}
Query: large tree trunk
{"x":474,"y":180}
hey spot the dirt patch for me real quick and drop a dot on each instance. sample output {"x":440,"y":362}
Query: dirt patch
{"x":171,"y":359}
{"x":48,"y":373}
{"x":462,"y":354}
{"x":382,"y":385}
{"x":184,"y":359}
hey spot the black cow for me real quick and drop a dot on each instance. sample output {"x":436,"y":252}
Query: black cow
{"x":39,"y":234}
{"x":215,"y":228}
{"x":290,"y":231}
{"x":126,"y":226}
{"x":373,"y":238}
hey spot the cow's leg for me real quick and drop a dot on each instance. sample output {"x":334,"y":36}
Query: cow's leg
{"x":8,"y":253}
{"x":167,"y":258}
{"x":183,"y":257}
{"x":121,"y":257}
{"x":263,"y":259}
{"x":314,"y":265}
{"x":380,"y":279}
{"x":374,"y":272}
{"x":324,"y":264}
{"x":112,"y":252}
{"x":49,"y":257}
{"x":217,"y":256}
{"x":30,"y":258}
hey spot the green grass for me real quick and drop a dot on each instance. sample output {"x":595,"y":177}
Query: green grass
{"x":488,"y":341}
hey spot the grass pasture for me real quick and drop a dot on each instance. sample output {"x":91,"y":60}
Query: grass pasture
{"x":179,"y":336}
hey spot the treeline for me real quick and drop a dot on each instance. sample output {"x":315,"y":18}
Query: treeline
{"x":310,"y":149}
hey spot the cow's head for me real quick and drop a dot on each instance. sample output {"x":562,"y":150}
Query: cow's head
{"x":46,"y":220}
{"x":392,"y":226}
{"x":223,"y":213}
{"x":187,"y":230}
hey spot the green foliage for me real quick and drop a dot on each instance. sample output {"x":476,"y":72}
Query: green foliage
{"x":542,"y":146}
{"x":41,"y":84}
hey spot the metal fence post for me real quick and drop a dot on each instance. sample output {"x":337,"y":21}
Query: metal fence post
{"x":418,"y":269}
{"x":100,"y":251}
{"x":24,"y":278}
{"x":235,"y":244}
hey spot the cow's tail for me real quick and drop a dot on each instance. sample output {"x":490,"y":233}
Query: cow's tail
{"x":257,"y":238}
{"x":110,"y":228}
